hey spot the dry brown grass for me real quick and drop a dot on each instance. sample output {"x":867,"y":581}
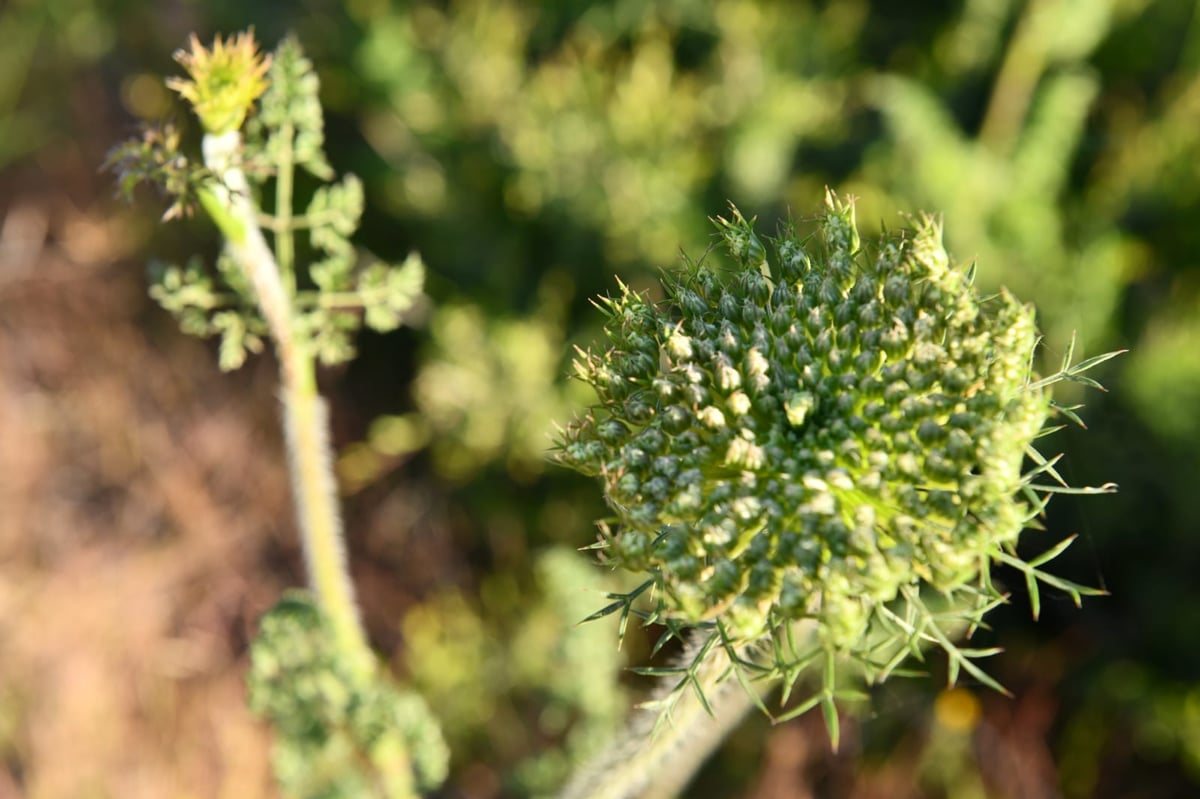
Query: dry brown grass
{"x":140,"y":499}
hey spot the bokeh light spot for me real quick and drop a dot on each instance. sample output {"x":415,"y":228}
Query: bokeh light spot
{"x":145,"y":96}
{"x":957,"y":710}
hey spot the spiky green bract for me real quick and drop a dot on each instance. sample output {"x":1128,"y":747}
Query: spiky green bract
{"x":337,"y":736}
{"x":819,"y":430}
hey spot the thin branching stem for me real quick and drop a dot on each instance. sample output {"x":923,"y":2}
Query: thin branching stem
{"x":284,"y":243}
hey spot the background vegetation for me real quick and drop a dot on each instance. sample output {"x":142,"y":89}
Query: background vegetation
{"x":531,"y":152}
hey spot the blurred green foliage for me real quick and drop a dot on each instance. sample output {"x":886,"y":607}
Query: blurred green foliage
{"x":531,"y":151}
{"x":1055,"y":137}
{"x":516,"y":141}
{"x":623,"y":126}
{"x":41,"y":43}
{"x":336,"y":736}
{"x":516,"y":663}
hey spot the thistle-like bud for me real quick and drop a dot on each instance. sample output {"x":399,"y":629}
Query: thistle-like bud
{"x":224,"y":81}
{"x":869,"y":447}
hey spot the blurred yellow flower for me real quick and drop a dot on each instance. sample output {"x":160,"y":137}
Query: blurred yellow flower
{"x":225,"y":81}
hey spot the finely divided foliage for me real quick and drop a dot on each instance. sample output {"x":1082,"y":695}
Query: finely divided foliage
{"x":821,"y":431}
{"x":340,"y":292}
{"x":329,"y":725}
{"x":343,"y":727}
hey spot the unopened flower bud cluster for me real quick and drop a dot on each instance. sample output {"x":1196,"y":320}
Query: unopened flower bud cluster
{"x":803,"y":432}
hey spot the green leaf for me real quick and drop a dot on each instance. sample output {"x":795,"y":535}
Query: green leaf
{"x":624,"y":604}
{"x":387,"y":293}
{"x":832,"y":724}
{"x":799,"y":710}
{"x":331,"y":334}
{"x":1106,"y":488}
{"x":235,"y":277}
{"x":188,"y":293}
{"x":333,"y":274}
{"x":334,"y":213}
{"x":236,"y":339}
{"x":336,"y":734}
{"x":291,"y":110}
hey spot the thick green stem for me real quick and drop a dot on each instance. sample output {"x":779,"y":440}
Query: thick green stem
{"x":305,"y":416}
{"x":658,"y":763}
{"x":310,"y":456}
{"x":653,"y":760}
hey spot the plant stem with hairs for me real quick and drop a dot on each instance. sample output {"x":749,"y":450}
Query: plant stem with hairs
{"x":659,"y":752}
{"x":304,"y":411}
{"x":343,"y":728}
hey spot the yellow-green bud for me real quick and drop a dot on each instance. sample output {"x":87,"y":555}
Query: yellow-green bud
{"x":223,"y":82}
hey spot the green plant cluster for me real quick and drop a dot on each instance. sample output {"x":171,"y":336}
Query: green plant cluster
{"x":337,"y":736}
{"x":343,"y":729}
{"x":819,"y":431}
{"x":345,"y":289}
{"x":510,"y":141}
{"x":1056,"y":137}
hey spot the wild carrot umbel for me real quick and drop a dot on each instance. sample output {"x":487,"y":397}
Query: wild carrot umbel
{"x":824,"y":435}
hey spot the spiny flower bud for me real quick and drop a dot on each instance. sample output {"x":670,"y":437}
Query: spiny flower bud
{"x":875,"y":416}
{"x":224,"y":81}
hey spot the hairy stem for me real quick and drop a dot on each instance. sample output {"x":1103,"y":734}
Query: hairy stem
{"x":657,"y":757}
{"x":305,"y":417}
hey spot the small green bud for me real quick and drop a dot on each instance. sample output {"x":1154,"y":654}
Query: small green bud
{"x":738,"y":403}
{"x":612,"y":431}
{"x":745,"y":454}
{"x":798,"y":406}
{"x":652,"y":440}
{"x":692,"y":302}
{"x":729,"y":307}
{"x":679,"y":346}
{"x":634,"y":457}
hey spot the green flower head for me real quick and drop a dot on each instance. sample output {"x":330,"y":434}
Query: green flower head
{"x":224,"y":81}
{"x":818,"y":431}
